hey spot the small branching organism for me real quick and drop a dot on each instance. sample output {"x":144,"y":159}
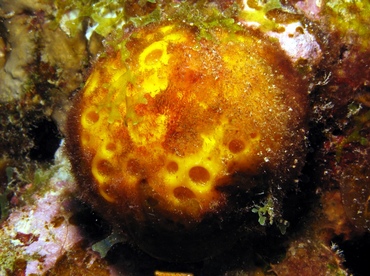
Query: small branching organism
{"x":265,"y":212}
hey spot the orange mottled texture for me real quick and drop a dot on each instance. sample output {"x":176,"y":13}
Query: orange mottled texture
{"x":166,"y":124}
{"x":308,"y":257}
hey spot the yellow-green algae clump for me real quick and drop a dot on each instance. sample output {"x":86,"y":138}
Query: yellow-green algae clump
{"x":351,"y":19}
{"x":169,"y":140}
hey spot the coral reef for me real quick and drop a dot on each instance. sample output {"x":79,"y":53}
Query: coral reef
{"x":314,"y":219}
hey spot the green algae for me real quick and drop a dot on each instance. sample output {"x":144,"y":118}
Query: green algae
{"x":351,"y":19}
{"x":258,"y":13}
{"x":140,"y":21}
{"x":355,"y":136}
{"x":265,"y":212}
{"x":204,"y":16}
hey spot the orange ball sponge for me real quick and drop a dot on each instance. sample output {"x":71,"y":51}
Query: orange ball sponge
{"x":165,"y":123}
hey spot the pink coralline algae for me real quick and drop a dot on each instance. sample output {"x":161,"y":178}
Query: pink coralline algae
{"x":40,"y":232}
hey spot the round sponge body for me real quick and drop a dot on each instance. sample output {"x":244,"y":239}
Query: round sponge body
{"x":176,"y":123}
